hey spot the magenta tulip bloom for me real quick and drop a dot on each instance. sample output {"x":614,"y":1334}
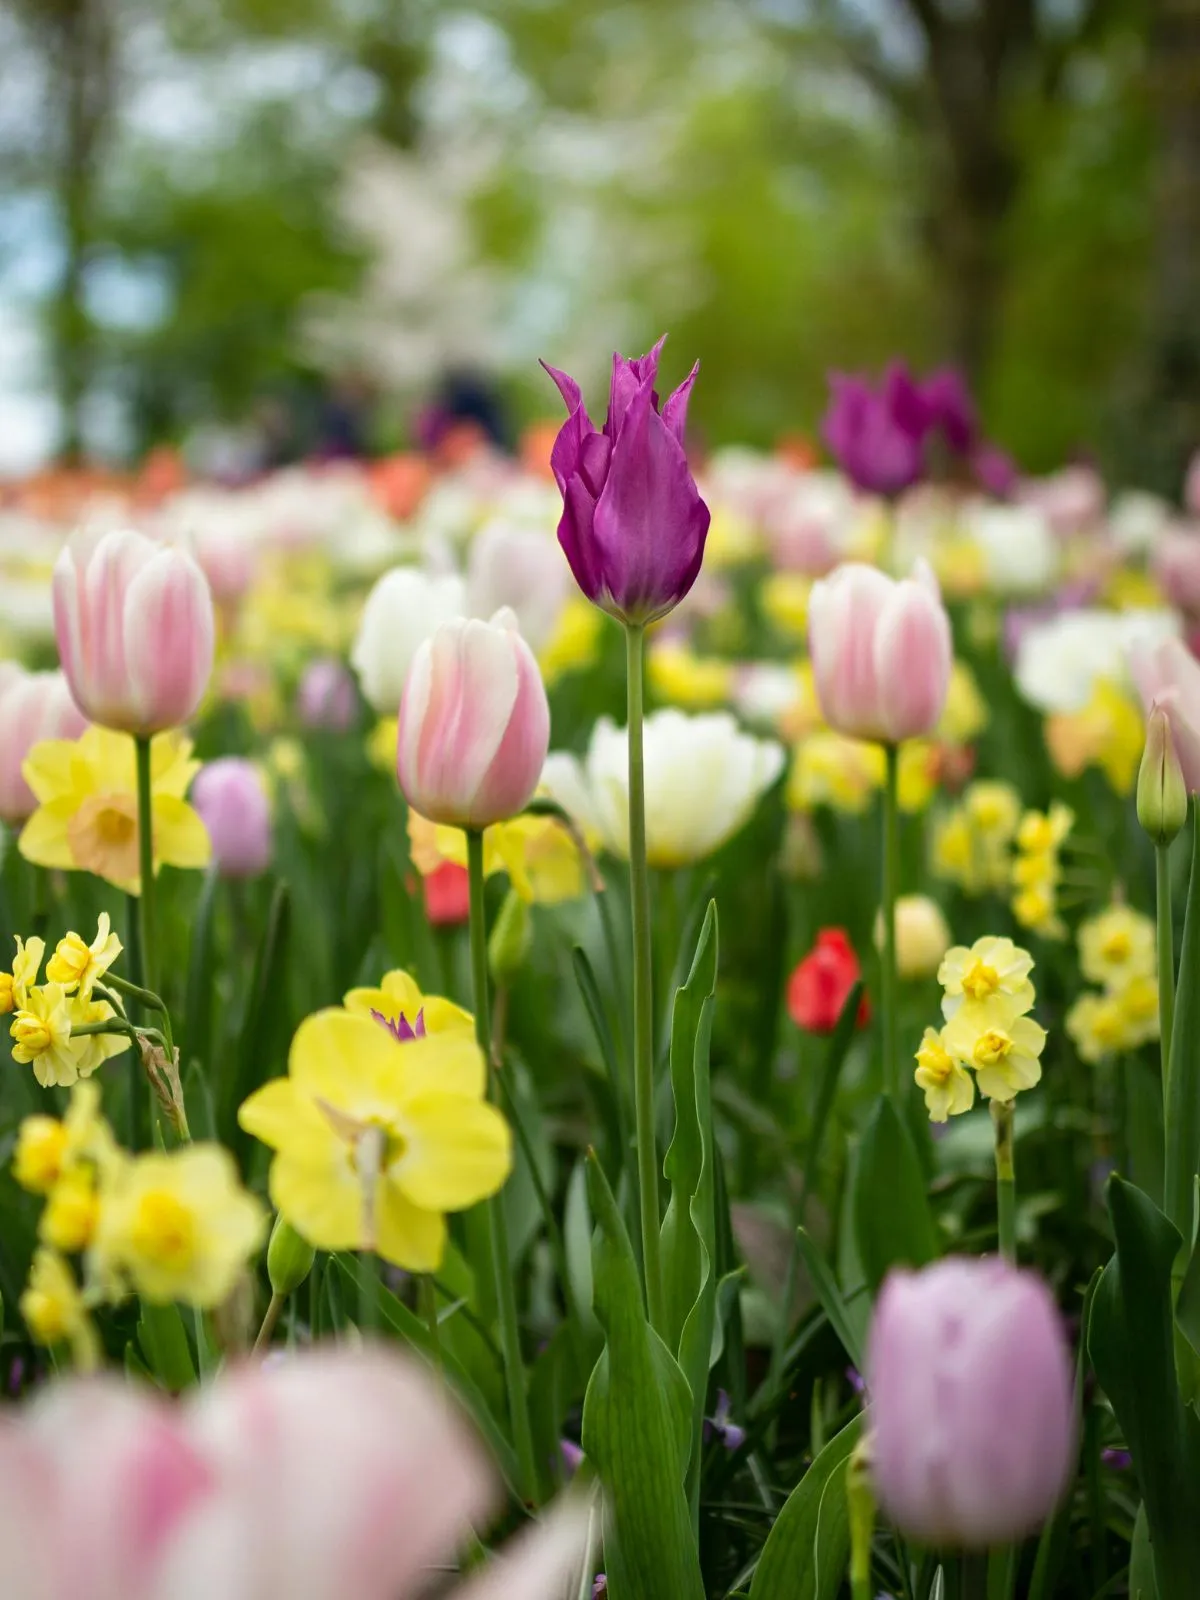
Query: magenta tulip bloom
{"x":972,"y":1412}
{"x":232,"y":803}
{"x":1168,"y":677}
{"x":134,"y":623}
{"x":33,"y":706}
{"x":877,"y":436}
{"x":633,"y":525}
{"x":949,"y":409}
{"x":474,"y":724}
{"x":881,"y":652}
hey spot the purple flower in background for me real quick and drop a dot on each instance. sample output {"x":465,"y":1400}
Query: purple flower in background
{"x":995,"y":470}
{"x":718,"y":1426}
{"x":949,"y":409}
{"x":326,"y":697}
{"x":600,"y":1587}
{"x":633,"y":525}
{"x":876,"y":435}
{"x":571,"y":1455}
{"x":1119,"y":1460}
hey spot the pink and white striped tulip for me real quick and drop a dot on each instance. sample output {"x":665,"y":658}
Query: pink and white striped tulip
{"x":881,"y":652}
{"x":134,"y":623}
{"x":1177,"y":566}
{"x":33,"y":706}
{"x":474,"y":724}
{"x":1167,"y":675}
{"x":321,"y":1476}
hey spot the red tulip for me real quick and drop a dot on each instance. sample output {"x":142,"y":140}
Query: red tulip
{"x":821,"y":983}
{"x":447,"y":894}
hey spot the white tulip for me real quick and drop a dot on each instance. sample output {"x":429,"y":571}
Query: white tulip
{"x":1060,"y":661}
{"x":704,"y":777}
{"x":403,"y":610}
{"x":1020,"y":552}
{"x":520,"y":567}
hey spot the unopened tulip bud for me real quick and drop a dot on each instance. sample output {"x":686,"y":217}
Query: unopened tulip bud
{"x":289,"y":1259}
{"x":1161,"y":793}
{"x":474,"y":724}
{"x":971,"y":1385}
{"x":510,"y":939}
{"x":134,"y":624}
{"x":922,"y":937}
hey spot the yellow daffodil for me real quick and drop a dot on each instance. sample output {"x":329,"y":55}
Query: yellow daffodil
{"x":177,"y":1227}
{"x":40,"y":1154}
{"x":54,"y":1311}
{"x":1036,"y":869}
{"x":69,"y":1217}
{"x":948,"y":1089}
{"x":41,"y":1033}
{"x":574,"y":643}
{"x":1041,"y":832}
{"x":1117,"y":946}
{"x":1004,"y":1053}
{"x":1096,"y":1026}
{"x":732,"y":539}
{"x":972,"y":843}
{"x":77,"y":965}
{"x":1108,"y":733}
{"x":829,"y":769}
{"x":965,"y":714}
{"x":15,"y":985}
{"x":960,"y":566}
{"x":992,"y":970}
{"x":86,"y":818}
{"x":994,"y":809}
{"x":681,"y":678}
{"x":376,"y":1140}
{"x":399,"y":1002}
{"x":1138,"y":1000}
{"x":539,"y":854}
{"x":917,"y":775}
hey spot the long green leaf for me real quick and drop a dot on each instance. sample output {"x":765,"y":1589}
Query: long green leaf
{"x":1183,"y":1089}
{"x":806,"y":1551}
{"x":164,"y":1344}
{"x":689,"y":1228}
{"x":265,"y":1006}
{"x":196,"y":1043}
{"x":893,"y":1224}
{"x":826,"y":1288}
{"x":637,"y":1427}
{"x":831,"y":1071}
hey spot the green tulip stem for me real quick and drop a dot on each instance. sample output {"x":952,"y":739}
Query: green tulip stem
{"x":643,"y":984}
{"x":506,"y":1294}
{"x":888,"y":983}
{"x":147,"y":930}
{"x":1166,"y":957}
{"x":1006,"y":1182}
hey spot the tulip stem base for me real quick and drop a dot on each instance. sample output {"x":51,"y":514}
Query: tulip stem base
{"x":1166,"y":957}
{"x":643,"y":983}
{"x":891,"y":866}
{"x":506,"y":1293}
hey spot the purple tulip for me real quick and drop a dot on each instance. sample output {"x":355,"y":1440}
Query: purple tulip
{"x":233,"y":805}
{"x":633,"y":523}
{"x":326,"y":696}
{"x":971,"y":1402}
{"x":876,"y":436}
{"x":995,"y":471}
{"x":949,"y":409}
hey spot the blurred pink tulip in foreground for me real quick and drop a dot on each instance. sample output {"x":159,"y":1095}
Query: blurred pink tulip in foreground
{"x":328,"y":1476}
{"x":1168,"y":676}
{"x":33,"y":706}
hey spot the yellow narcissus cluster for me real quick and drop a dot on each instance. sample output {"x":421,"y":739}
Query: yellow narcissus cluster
{"x":972,"y":842}
{"x":48,"y":1019}
{"x":1037,"y":869}
{"x":1117,"y":950}
{"x":382,"y":1125}
{"x":988,"y":1040}
{"x":86,"y":819}
{"x":165,"y":1226}
{"x":1108,"y":733}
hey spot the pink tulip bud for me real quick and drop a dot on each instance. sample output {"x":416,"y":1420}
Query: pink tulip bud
{"x":33,"y":706}
{"x":1168,"y":679}
{"x":326,"y":697}
{"x":474,"y":724}
{"x":134,"y":622}
{"x":881,"y":652}
{"x":971,"y":1402}
{"x":233,"y":806}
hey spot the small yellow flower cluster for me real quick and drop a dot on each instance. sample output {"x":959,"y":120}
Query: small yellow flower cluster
{"x":47,"y":1018}
{"x":382,"y":1125}
{"x":1117,"y":950}
{"x":680,"y":677}
{"x":972,"y":843}
{"x":540,"y":856}
{"x":987,"y":1031}
{"x":1108,"y":733}
{"x":828,"y":769}
{"x":573,"y":644}
{"x":1037,"y":869}
{"x":167,"y":1227}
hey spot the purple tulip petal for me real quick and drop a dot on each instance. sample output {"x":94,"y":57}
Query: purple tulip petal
{"x":627,"y":378}
{"x":674,"y":413}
